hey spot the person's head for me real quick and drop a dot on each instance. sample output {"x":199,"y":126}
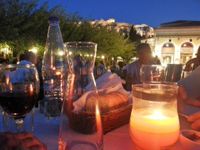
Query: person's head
{"x":121,"y":64}
{"x":30,"y":56}
{"x":21,"y":57}
{"x":198,"y":52}
{"x":144,"y":53}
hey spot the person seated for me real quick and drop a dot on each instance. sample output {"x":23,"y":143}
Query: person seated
{"x":28,"y":58}
{"x":189,"y":98}
{"x":20,"y":141}
{"x":23,"y":74}
{"x":193,"y":63}
{"x":132,"y":71}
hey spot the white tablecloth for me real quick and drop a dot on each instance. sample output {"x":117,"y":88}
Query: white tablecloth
{"x":118,"y":139}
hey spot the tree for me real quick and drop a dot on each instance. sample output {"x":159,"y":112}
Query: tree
{"x":134,"y":36}
{"x":24,"y":24}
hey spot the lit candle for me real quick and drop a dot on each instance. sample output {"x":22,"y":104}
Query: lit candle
{"x":153,"y":129}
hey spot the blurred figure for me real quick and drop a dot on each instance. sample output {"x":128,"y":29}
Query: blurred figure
{"x":28,"y":58}
{"x":3,"y":61}
{"x":157,"y":60}
{"x":132,"y":70}
{"x":101,"y":69}
{"x":193,"y":63}
{"x":114,"y":68}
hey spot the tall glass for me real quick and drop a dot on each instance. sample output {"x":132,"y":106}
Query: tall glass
{"x":81,"y":127}
{"x":19,"y":88}
{"x":154,"y":120}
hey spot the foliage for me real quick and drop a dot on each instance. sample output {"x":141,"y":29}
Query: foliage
{"x":110,"y":43}
{"x":24,"y":24}
{"x":133,"y":36}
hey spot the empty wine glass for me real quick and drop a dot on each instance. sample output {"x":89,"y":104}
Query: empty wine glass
{"x":81,"y":127}
{"x":19,"y":88}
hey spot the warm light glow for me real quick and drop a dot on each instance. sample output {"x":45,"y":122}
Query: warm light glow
{"x":58,"y":73}
{"x":7,"y":80}
{"x":102,"y":57}
{"x":61,"y":53}
{"x":31,"y":89}
{"x":34,"y":50}
{"x":157,"y":115}
{"x":70,"y":53}
{"x":10,"y":87}
{"x":157,"y":128}
{"x":52,"y":81}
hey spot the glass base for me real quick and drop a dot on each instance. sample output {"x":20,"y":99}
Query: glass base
{"x":79,"y":145}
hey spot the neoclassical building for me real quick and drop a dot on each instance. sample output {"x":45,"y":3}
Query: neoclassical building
{"x":176,"y":42}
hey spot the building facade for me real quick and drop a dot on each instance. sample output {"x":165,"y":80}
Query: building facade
{"x":176,"y":42}
{"x":124,"y":28}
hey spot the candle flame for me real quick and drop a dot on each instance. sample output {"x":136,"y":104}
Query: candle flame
{"x":157,"y":115}
{"x":7,"y":80}
{"x":58,"y":73}
{"x":31,"y":89}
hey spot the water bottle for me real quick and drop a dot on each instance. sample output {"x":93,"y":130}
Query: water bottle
{"x":53,"y":67}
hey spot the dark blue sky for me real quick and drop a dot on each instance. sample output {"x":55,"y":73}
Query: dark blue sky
{"x":151,"y":12}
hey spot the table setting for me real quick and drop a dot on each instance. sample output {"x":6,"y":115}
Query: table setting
{"x":83,"y":112}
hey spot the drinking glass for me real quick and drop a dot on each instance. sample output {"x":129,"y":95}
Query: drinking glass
{"x":152,"y":73}
{"x":154,"y":119}
{"x":19,"y":88}
{"x":81,"y":127}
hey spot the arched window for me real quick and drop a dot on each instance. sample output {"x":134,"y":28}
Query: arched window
{"x":186,"y":52}
{"x":168,"y":50}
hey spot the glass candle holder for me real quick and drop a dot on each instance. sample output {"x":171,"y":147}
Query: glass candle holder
{"x":154,"y":122}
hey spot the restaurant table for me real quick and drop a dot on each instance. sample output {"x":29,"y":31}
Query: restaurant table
{"x":47,"y":131}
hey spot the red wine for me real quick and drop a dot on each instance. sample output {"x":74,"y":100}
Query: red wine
{"x":17,"y":104}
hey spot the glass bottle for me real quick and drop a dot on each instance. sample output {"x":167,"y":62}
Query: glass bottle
{"x":53,"y":70}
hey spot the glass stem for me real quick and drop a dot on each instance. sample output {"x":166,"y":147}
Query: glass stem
{"x":20,"y":124}
{"x":32,"y":120}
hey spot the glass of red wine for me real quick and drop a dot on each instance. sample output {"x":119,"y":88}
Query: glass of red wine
{"x":19,"y":88}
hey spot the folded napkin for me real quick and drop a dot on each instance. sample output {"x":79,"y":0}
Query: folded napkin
{"x":106,"y":84}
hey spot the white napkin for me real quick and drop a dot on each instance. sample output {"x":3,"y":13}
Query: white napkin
{"x":107,"y":83}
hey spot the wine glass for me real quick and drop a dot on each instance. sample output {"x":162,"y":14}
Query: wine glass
{"x":152,"y":73}
{"x":81,"y":127}
{"x":19,"y":88}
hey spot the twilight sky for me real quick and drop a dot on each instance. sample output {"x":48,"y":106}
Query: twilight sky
{"x":151,"y":12}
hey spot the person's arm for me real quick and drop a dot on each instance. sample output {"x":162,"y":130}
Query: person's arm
{"x":195,"y":121}
{"x":182,"y":96}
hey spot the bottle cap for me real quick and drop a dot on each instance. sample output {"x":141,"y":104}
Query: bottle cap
{"x":53,"y":19}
